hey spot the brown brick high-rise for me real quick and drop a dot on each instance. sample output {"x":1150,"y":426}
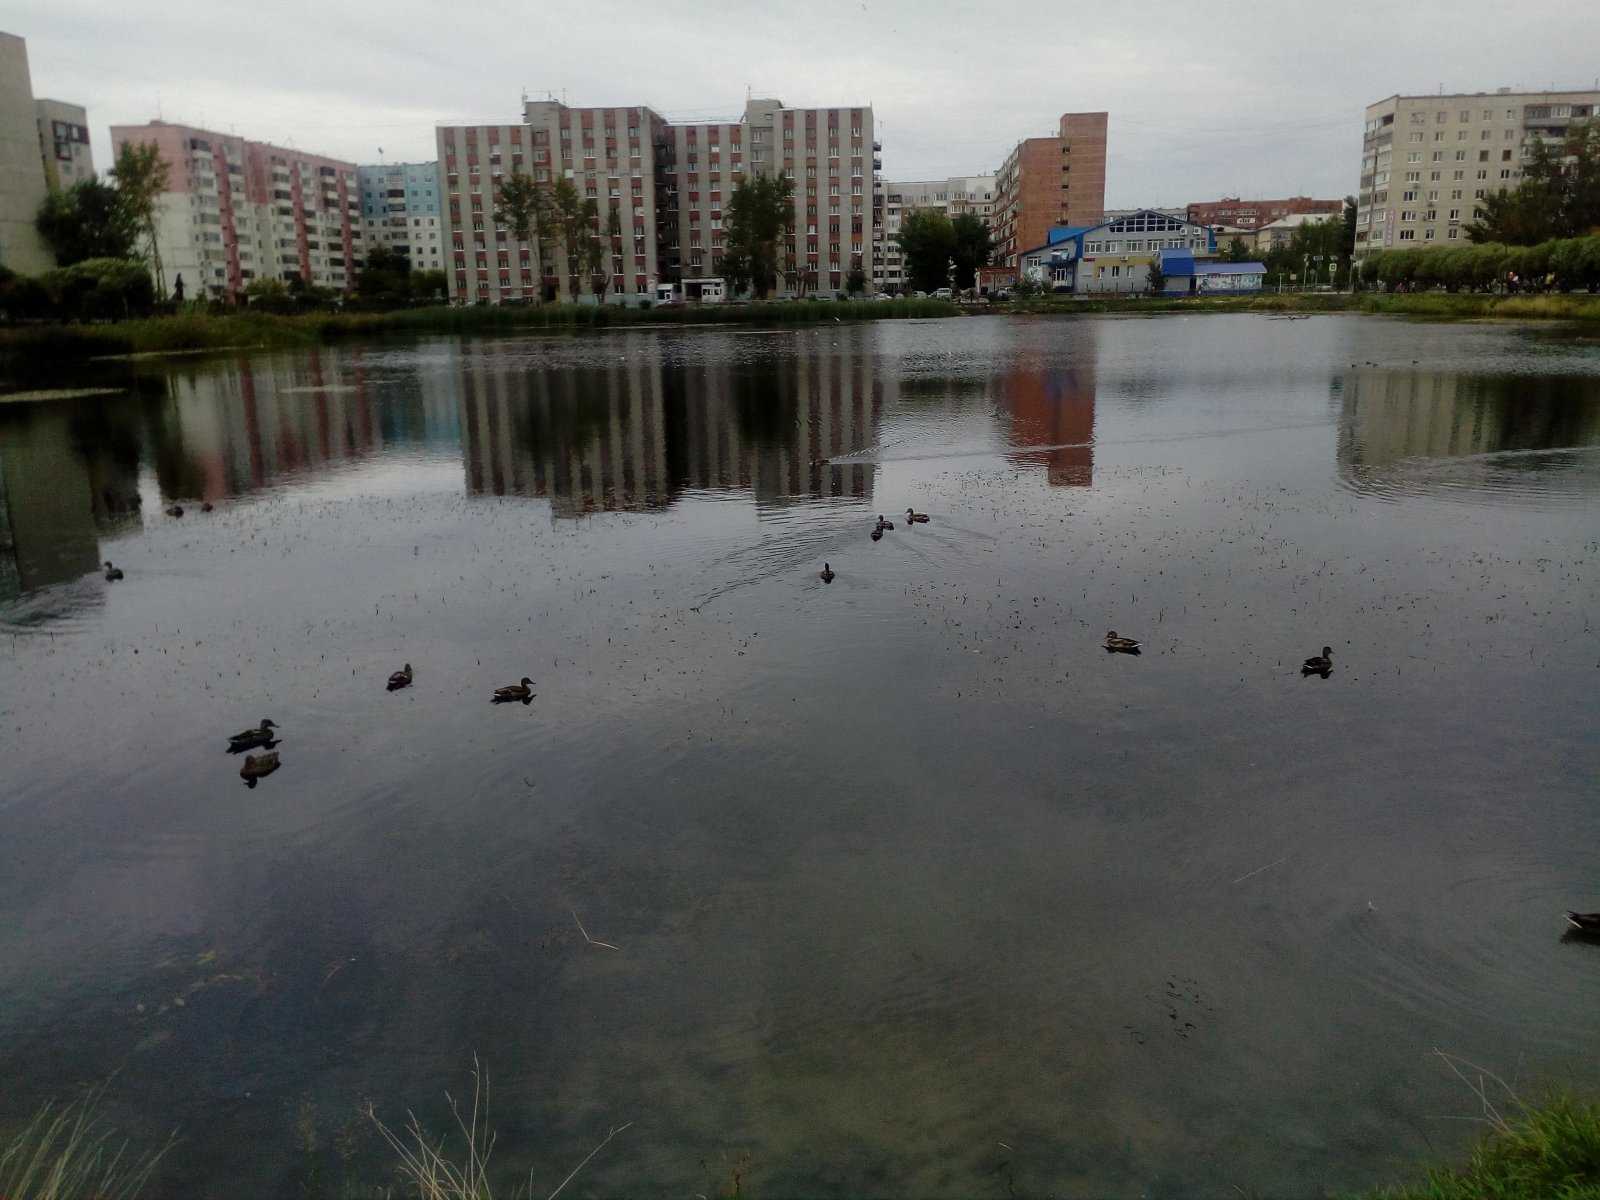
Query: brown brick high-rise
{"x":1049,"y":181}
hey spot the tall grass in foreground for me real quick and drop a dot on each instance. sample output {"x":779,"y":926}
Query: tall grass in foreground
{"x":437,"y":1172}
{"x":1548,"y":1151}
{"x":65,"y":1153}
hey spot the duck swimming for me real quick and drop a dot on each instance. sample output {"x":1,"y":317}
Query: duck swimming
{"x":258,"y":766}
{"x":877,"y":534}
{"x":1584,"y":923}
{"x":826,"y":574}
{"x":1319,"y":664}
{"x":400,"y":679}
{"x":1121,"y":645}
{"x":175,"y":511}
{"x":882,"y":524}
{"x":249,"y":739}
{"x":514,"y":691}
{"x":113,"y":573}
{"x":206,"y":507}
{"x":916,"y":518}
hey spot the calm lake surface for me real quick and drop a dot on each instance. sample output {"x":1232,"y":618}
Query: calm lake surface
{"x":914,"y":889}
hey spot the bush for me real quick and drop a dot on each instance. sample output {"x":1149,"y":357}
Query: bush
{"x":97,"y":289}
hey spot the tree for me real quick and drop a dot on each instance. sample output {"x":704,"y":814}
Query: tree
{"x":1559,"y":196}
{"x":928,"y":240}
{"x":428,"y":286}
{"x":973,"y":246}
{"x":1157,"y":280}
{"x":856,"y":281}
{"x":574,"y":220}
{"x":1237,"y":251}
{"x":1348,"y":243}
{"x":385,"y":277}
{"x":760,"y":225}
{"x":88,"y":220}
{"x":141,"y":175}
{"x":601,"y":256}
{"x":268,"y":294}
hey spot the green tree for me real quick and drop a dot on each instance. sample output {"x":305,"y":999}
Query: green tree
{"x":385,"y":277}
{"x":574,"y":221}
{"x":856,"y":281}
{"x":268,"y":294}
{"x":973,"y":246}
{"x":760,"y":233}
{"x":521,"y":205}
{"x":1347,"y":245}
{"x":1156,"y":279}
{"x":1237,"y":251}
{"x":1559,"y":196}
{"x":428,"y":286}
{"x":141,"y":174}
{"x":928,"y":240}
{"x":88,"y":220}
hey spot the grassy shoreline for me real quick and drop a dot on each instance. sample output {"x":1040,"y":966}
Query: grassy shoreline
{"x":198,"y":332}
{"x":1432,"y":305}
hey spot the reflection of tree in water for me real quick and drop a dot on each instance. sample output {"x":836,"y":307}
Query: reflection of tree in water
{"x":1389,"y":416}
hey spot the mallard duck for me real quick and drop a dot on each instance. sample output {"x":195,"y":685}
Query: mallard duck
{"x":882,"y":524}
{"x":826,"y":574}
{"x":1585,"y":923}
{"x":258,"y":766}
{"x":1319,"y":662}
{"x":249,"y":739}
{"x":175,"y":511}
{"x":916,"y":518}
{"x":205,"y":507}
{"x":112,"y":573}
{"x":515,"y":691}
{"x":1121,"y":645}
{"x":877,"y":534}
{"x":400,"y":679}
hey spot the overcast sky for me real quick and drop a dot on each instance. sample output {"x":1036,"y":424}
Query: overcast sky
{"x":1225,"y":97}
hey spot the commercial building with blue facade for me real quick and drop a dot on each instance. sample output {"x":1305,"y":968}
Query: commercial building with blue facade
{"x":402,"y":207}
{"x":1113,"y":256}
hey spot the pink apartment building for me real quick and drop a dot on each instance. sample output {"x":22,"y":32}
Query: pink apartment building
{"x":237,"y":210}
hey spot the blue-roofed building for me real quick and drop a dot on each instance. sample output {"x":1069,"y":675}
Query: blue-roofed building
{"x":403,"y":210}
{"x":1113,"y":256}
{"x":1186,"y":275}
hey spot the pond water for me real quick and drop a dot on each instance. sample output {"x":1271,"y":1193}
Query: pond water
{"x":913,"y":888}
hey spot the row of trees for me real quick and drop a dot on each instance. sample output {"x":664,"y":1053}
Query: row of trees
{"x":95,"y":289}
{"x":1558,"y":198}
{"x":565,"y":227}
{"x":931,"y":242}
{"x":95,"y":220}
{"x":1559,"y":264}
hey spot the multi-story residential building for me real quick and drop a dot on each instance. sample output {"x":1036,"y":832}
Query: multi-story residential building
{"x":23,"y":184}
{"x":1253,"y":214}
{"x":888,"y":264}
{"x":1428,"y":161}
{"x":954,"y":196}
{"x":64,"y":142}
{"x":1277,"y":234}
{"x":659,"y":190}
{"x":236,"y":210}
{"x":402,"y":210}
{"x":1046,"y":181}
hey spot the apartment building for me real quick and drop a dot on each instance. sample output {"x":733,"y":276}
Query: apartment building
{"x":659,"y":190}
{"x":1428,"y":161}
{"x":23,"y":184}
{"x":402,"y":210}
{"x":64,"y":142}
{"x":888,"y":264}
{"x":236,"y":210}
{"x":1253,"y":214}
{"x":1046,"y":181}
{"x":955,"y":196}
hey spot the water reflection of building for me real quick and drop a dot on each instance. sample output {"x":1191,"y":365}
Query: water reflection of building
{"x":638,"y":433}
{"x":1052,"y":408}
{"x":1390,"y":416}
{"x":47,"y":502}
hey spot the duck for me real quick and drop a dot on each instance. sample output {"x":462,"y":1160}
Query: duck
{"x":258,"y":766}
{"x":882,"y":524}
{"x":826,"y":574}
{"x":112,"y":573}
{"x":400,"y":679}
{"x":916,"y":518}
{"x":877,"y":534}
{"x":175,"y":511}
{"x":1121,"y":645}
{"x":515,"y":691}
{"x":1319,"y":663}
{"x":206,"y":507}
{"x":249,"y":739}
{"x":1585,"y":923}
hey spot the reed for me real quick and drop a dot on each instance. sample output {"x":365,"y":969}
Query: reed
{"x":66,"y":1153}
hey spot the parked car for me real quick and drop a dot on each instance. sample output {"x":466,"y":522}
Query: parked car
{"x":943,"y":294}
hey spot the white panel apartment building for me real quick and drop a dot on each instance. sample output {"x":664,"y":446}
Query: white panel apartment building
{"x":958,"y":195}
{"x":401,"y":210}
{"x":22,"y":177}
{"x":64,"y":142}
{"x":1426,"y":161}
{"x":667,"y":184}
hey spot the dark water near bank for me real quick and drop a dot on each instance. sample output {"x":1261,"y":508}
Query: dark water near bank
{"x":914,"y":889}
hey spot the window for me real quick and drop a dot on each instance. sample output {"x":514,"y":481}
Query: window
{"x":1408,"y":235}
